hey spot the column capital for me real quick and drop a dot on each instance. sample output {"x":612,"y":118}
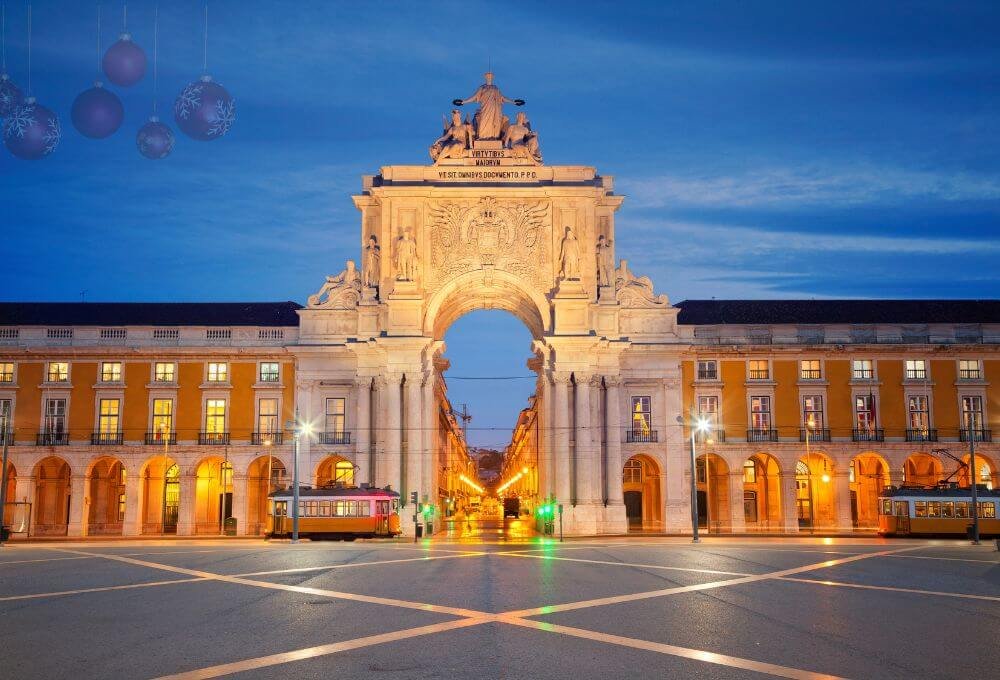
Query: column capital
{"x":560,"y":377}
{"x":614,"y":381}
{"x":363,"y":381}
{"x":596,"y":380}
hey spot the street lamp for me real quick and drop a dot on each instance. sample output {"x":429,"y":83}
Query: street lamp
{"x":4,"y":418}
{"x":701,"y":425}
{"x":298,"y":429}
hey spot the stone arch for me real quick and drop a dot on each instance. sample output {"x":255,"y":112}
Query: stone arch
{"x":159,"y":495}
{"x":213,"y":494}
{"x":642,"y":491}
{"x":105,"y":494}
{"x":259,"y":486}
{"x":762,"y":493}
{"x":335,"y":469}
{"x":987,"y":476}
{"x":713,"y":483}
{"x":470,"y":291}
{"x":922,"y":469}
{"x":11,"y":495}
{"x":868,"y":477}
{"x":52,"y":497}
{"x":815,"y":491}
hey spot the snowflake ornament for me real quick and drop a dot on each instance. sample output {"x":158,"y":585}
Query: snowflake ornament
{"x":31,"y":131}
{"x":204,"y":110}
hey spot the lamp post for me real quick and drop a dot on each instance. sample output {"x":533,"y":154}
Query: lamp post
{"x":298,"y":429}
{"x":699,"y":426}
{"x":165,"y":435}
{"x":3,"y":474}
{"x":973,"y":481}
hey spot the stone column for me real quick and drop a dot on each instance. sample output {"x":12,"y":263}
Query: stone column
{"x":78,"y":506}
{"x":188,"y":503}
{"x":560,"y":437}
{"x":842,"y":499}
{"x":614,"y":440}
{"x":547,"y":446}
{"x":240,"y":503}
{"x":430,"y":462}
{"x":789,"y":510}
{"x":736,"y":511}
{"x":132,"y":526}
{"x":676,"y":445}
{"x":584,"y":463}
{"x":392,"y":449}
{"x":362,"y":429}
{"x":414,"y":435}
{"x":598,"y":490}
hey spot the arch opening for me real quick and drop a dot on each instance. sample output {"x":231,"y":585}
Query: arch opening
{"x":869,"y":475}
{"x":815,"y":496}
{"x":160,"y":495}
{"x":264,"y":475}
{"x":987,"y":471}
{"x":477,"y":290}
{"x":762,"y":493}
{"x":922,"y":469}
{"x":10,"y":510}
{"x":52,"y":497}
{"x":213,"y":496}
{"x":713,"y":493}
{"x":335,"y":470}
{"x":106,"y":496}
{"x":641,"y":489}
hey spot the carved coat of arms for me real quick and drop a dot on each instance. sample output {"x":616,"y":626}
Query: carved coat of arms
{"x":489,"y":235}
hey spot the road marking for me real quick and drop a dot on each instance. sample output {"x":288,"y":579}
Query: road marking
{"x":101,"y":589}
{"x":322,"y":650}
{"x":948,"y":559}
{"x":626,"y":564}
{"x":894,"y":589}
{"x":617,"y":599}
{"x":345,"y":565}
{"x":673,"y":650}
{"x":44,"y":559}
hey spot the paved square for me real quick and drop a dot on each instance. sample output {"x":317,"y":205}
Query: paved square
{"x":808,"y":608}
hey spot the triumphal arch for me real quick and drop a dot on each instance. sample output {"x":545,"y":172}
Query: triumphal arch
{"x":488,"y":225}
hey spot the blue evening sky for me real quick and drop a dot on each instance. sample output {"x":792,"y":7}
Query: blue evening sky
{"x":766,"y":149}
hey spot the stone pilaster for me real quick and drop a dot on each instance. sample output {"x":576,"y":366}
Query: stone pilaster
{"x":240,"y":503}
{"x":414,"y":437}
{"x":389,"y":421}
{"x":78,"y":506}
{"x":583,"y":452}
{"x":842,"y":498}
{"x":188,"y":504}
{"x":738,"y":523}
{"x":362,"y":429}
{"x":789,"y":509}
{"x":132,"y":525}
{"x":561,"y":436}
{"x":614,"y":440}
{"x":430,"y":463}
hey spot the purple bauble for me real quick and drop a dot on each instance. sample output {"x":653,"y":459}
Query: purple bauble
{"x":31,"y":131}
{"x":204,"y":110}
{"x":10,"y":95}
{"x":124,"y":63}
{"x":97,"y":113}
{"x":155,"y":139}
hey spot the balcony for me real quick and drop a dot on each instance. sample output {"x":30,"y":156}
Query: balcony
{"x":762,"y":435}
{"x":810,"y":374}
{"x":816,"y":434}
{"x":708,"y":375}
{"x":712,"y":436}
{"x":977,"y":435}
{"x":213,"y":438}
{"x":265,"y":438}
{"x":335,"y":438}
{"x":868,"y":435}
{"x":641,"y":437}
{"x":969,"y":374}
{"x":7,"y":438}
{"x":106,"y":438}
{"x":161,"y":438}
{"x":921,"y":435}
{"x":863,"y":374}
{"x":52,"y":439}
{"x":916,"y":374}
{"x":758,"y":374}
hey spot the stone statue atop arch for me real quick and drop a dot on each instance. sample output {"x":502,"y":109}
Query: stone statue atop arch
{"x":453,"y":142}
{"x":340,"y":291}
{"x":605,"y":262}
{"x":489,"y":119}
{"x":372,"y":269}
{"x":406,"y":257}
{"x":522,"y":140}
{"x":569,"y":257}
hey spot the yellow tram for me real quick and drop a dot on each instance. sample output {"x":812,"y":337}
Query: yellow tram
{"x":942,"y":511}
{"x":338,"y":511}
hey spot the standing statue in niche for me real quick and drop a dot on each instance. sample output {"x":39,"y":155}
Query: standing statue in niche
{"x":456,"y":138}
{"x":569,"y":256}
{"x":489,"y":119}
{"x":373,"y":263}
{"x":521,"y":140}
{"x":406,"y":257}
{"x":605,"y":262}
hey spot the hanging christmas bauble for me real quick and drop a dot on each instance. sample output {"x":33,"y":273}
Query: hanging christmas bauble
{"x":155,"y":139}
{"x":10,"y":95}
{"x":124,"y":63}
{"x":31,"y":131}
{"x":204,"y":110}
{"x":97,"y":113}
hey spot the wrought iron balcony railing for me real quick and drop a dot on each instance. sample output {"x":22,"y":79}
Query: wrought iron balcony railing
{"x":106,"y":438}
{"x":762,"y":435}
{"x":868,"y":435}
{"x":335,"y":438}
{"x":641,"y":436}
{"x":52,"y":439}
{"x":711,"y":436}
{"x":213,"y":438}
{"x":161,"y":438}
{"x":265,"y":438}
{"x":976,"y":435}
{"x":816,"y":434}
{"x":921,"y":434}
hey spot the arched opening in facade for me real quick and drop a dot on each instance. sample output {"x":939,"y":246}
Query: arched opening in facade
{"x":814,"y":492}
{"x":106,"y":493}
{"x":213,"y":495}
{"x":869,"y":475}
{"x":713,"y":493}
{"x":922,"y":469}
{"x":641,"y":486}
{"x":10,"y":511}
{"x":52,"y":497}
{"x":987,"y":472}
{"x":160,"y":491}
{"x":264,"y":475}
{"x":335,"y":470}
{"x":762,"y":493}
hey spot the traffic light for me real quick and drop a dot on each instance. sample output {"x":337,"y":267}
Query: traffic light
{"x":413,"y":497}
{"x":428,"y":509}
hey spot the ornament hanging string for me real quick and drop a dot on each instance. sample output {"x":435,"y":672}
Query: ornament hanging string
{"x":124,"y":17}
{"x":3,"y":34}
{"x":156,"y":32}
{"x":29,"y":49}
{"x":98,"y":42}
{"x":204,"y":58}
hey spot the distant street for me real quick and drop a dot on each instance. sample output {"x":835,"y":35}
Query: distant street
{"x":483,"y":604}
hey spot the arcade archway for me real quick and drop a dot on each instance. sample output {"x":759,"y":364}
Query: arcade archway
{"x":641,"y":489}
{"x":762,"y":493}
{"x":213,"y":501}
{"x":335,"y":470}
{"x":713,"y":493}
{"x":52,"y":497}
{"x":868,"y":477}
{"x":264,"y":475}
{"x":986,"y":471}
{"x":922,"y":469}
{"x":160,"y":489}
{"x":106,"y":493}
{"x":815,"y":495}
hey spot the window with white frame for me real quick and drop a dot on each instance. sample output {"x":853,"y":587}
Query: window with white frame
{"x":6,"y":372}
{"x":58,"y":371}
{"x":55,"y":417}
{"x":111,"y":371}
{"x":969,"y":369}
{"x":758,"y":369}
{"x":269,"y":372}
{"x":267,"y":415}
{"x":812,"y":412}
{"x":760,"y":413}
{"x":918,"y":413}
{"x":972,"y":412}
{"x":863,"y":369}
{"x":642,"y":415}
{"x":335,"y":415}
{"x":810,"y":369}
{"x":708,"y":370}
{"x":632,"y":472}
{"x":163,"y":418}
{"x":164,"y":371}
{"x":218,"y":371}
{"x":108,"y":416}
{"x":916,"y":369}
{"x":215,"y":416}
{"x":864,"y":412}
{"x":708,"y":409}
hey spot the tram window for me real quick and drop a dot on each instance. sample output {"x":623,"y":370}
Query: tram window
{"x":920,"y":508}
{"x":961,"y":508}
{"x":364,"y":508}
{"x":947,"y":509}
{"x":934,"y":508}
{"x":987,"y":510}
{"x":886,"y":508}
{"x":902,"y":508}
{"x":302,"y":509}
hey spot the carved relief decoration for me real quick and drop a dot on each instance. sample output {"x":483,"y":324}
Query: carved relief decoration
{"x":490,"y":235}
{"x":636,"y":292}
